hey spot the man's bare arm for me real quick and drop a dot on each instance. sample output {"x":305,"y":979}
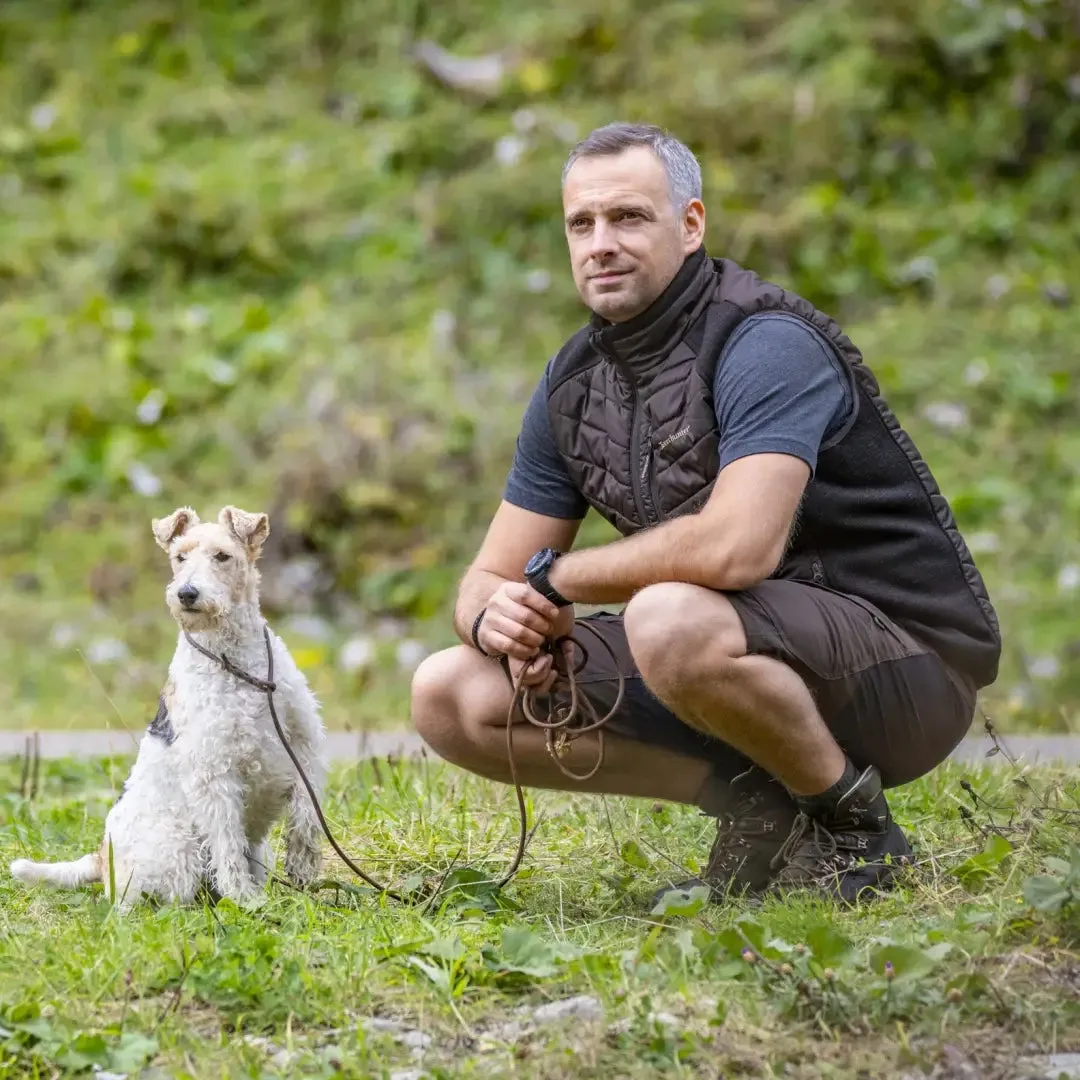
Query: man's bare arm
{"x":513,"y":536}
{"x":735,"y":541}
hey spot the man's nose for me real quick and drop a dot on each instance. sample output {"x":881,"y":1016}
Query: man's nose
{"x":602,"y":242}
{"x":187,"y":594}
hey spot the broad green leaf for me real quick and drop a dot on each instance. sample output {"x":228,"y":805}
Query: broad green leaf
{"x":1045,"y":893}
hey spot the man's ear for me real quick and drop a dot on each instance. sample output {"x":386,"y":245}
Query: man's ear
{"x":250,"y":529}
{"x":176,"y":524}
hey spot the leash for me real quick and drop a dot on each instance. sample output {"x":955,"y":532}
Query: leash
{"x":268,"y":686}
{"x":562,"y":726}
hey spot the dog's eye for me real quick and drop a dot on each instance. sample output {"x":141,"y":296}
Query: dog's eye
{"x":223,"y":556}
{"x":180,"y":558}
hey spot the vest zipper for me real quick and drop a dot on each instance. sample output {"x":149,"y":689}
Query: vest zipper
{"x":638,"y":468}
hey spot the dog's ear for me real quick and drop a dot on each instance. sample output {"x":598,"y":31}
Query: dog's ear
{"x":176,"y":524}
{"x":250,"y":529}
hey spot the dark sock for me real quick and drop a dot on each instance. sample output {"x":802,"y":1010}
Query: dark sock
{"x":820,"y":806}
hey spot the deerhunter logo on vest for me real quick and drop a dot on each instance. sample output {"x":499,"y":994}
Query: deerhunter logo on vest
{"x":671,"y":438}
{"x":633,"y":416}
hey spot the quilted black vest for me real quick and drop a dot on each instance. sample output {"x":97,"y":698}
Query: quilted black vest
{"x":632,"y":413}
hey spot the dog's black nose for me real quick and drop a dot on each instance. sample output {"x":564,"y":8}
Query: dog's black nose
{"x":187,"y":594}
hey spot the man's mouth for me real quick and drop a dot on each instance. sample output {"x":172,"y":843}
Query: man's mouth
{"x":610,"y":275}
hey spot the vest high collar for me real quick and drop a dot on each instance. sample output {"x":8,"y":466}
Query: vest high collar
{"x":645,"y":340}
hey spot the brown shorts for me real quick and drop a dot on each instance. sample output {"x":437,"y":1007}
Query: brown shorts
{"x":889,"y":701}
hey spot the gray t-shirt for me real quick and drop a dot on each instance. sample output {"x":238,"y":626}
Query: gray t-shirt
{"x":779,"y":388}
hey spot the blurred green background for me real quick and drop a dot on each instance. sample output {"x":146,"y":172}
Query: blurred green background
{"x":307,"y":258}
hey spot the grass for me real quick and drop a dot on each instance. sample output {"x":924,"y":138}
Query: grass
{"x":259,"y":254}
{"x":983,"y":938}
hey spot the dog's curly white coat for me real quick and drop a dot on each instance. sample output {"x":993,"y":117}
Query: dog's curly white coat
{"x":211,"y":777}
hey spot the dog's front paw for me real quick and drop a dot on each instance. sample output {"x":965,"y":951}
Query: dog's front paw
{"x":302,"y":866}
{"x":239,"y":888}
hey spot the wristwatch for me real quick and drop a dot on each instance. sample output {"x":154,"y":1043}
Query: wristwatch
{"x":536,"y":574}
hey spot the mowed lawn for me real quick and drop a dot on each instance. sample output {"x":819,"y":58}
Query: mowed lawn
{"x":973,"y":961}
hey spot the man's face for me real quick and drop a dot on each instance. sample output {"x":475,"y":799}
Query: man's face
{"x":626,"y":240}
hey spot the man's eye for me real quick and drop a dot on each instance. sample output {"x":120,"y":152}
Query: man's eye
{"x":223,"y":556}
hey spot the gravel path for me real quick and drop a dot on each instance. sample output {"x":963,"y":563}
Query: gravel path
{"x":346,"y":746}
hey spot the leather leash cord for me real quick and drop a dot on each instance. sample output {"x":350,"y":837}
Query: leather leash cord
{"x":561,"y":727}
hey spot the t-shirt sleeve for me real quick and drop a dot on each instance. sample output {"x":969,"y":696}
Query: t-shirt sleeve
{"x":779,"y":388}
{"x":538,"y":479}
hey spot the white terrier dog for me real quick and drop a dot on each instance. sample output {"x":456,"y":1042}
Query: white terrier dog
{"x":211,"y":776}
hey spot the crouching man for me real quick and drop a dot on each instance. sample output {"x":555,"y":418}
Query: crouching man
{"x":804,"y":627}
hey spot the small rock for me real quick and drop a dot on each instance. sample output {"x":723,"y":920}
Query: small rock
{"x":523,"y":120}
{"x":804,"y":101}
{"x":196,"y":317}
{"x":388,"y":627}
{"x":411,"y":1038}
{"x":443,"y":326}
{"x":1052,"y":1067}
{"x":509,"y":150}
{"x":479,"y":75}
{"x":1057,"y":293}
{"x":976,"y":372}
{"x":63,"y":635}
{"x":220,"y":372}
{"x":143,"y":481}
{"x":1068,"y":579}
{"x":148,"y":411}
{"x":25,"y":581}
{"x":921,"y":268}
{"x":664,"y":1019}
{"x":538,"y":281}
{"x":956,"y":1065}
{"x":409,"y":654}
{"x":309,"y":626}
{"x":107,"y":651}
{"x":356,"y":654}
{"x":43,"y":116}
{"x":982,"y":543}
{"x":582,"y":1007}
{"x":947,"y":415}
{"x":566,"y":130}
{"x":997,"y":285}
{"x":1044,"y":667}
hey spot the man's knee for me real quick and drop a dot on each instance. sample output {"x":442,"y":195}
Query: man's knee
{"x":672,"y":625}
{"x":435,"y":703}
{"x":451,"y":696}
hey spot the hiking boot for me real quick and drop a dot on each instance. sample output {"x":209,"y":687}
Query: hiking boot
{"x":754,"y":815}
{"x":844,"y":848}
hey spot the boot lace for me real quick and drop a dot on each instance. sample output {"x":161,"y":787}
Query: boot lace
{"x":812,"y":850}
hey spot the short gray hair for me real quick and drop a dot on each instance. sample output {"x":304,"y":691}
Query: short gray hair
{"x":682,"y":168}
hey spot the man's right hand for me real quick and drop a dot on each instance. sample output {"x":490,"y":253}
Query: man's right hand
{"x":517,"y":622}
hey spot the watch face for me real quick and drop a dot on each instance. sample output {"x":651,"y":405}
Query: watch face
{"x":537,"y":562}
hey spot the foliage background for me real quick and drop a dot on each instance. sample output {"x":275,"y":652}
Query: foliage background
{"x":260,"y":253}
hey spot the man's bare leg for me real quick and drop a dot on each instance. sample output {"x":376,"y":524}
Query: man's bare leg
{"x":689,"y":644}
{"x":459,"y":704}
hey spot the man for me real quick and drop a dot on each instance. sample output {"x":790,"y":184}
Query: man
{"x":803,"y":624}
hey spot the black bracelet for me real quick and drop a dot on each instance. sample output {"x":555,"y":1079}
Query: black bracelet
{"x":476,"y":628}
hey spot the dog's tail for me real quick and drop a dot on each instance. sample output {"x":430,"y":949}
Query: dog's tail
{"x":67,"y":875}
